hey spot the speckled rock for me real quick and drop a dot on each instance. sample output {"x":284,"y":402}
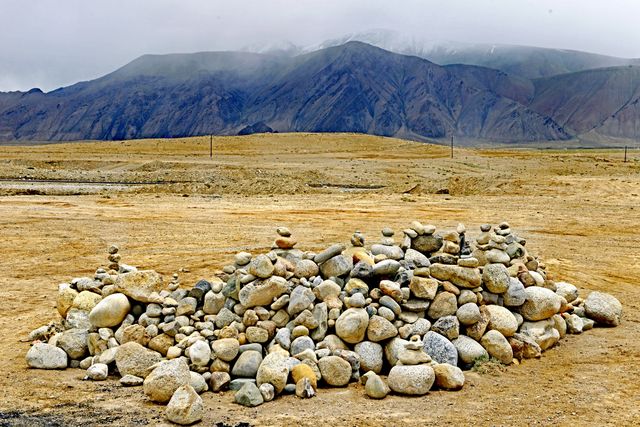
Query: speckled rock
{"x":134,"y":359}
{"x":185,"y":407}
{"x":273,"y":370}
{"x":468,"y":349}
{"x":352,"y":324}
{"x":440,"y":348}
{"x":605,"y":309}
{"x":165,"y":379}
{"x":371,"y":356}
{"x":46,"y":356}
{"x":335,"y":370}
{"x":540,"y":304}
{"x":412,"y":380}
{"x":139,"y":285}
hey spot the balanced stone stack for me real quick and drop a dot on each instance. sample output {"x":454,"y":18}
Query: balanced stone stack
{"x":288,"y":321}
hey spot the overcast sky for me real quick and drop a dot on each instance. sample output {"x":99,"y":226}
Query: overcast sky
{"x":48,"y":44}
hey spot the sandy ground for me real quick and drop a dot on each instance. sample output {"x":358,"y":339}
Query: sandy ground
{"x":168,"y":206}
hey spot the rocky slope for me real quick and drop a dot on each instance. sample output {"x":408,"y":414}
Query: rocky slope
{"x":604,"y":100}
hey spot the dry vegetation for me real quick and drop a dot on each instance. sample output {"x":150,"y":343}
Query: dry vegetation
{"x":579,"y":210}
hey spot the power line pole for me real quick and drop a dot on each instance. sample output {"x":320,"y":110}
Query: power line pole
{"x":452,"y":146}
{"x":210,"y":146}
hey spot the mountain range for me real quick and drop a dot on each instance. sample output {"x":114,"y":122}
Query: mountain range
{"x":341,"y":87}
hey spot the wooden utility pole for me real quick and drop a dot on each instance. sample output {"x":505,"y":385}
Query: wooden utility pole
{"x":625,"y":154}
{"x":210,"y":146}
{"x":452,"y":146}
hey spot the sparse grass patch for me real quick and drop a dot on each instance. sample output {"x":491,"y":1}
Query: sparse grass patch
{"x":488,"y":365}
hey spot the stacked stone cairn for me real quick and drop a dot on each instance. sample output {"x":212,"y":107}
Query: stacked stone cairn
{"x":289,"y":321}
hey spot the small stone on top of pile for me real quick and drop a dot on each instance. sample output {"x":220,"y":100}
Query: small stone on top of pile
{"x":406,"y":316}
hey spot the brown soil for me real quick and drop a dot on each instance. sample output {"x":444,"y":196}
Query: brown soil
{"x":579,"y":211}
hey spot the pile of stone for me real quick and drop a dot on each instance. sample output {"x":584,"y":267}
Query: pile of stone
{"x":288,"y":321}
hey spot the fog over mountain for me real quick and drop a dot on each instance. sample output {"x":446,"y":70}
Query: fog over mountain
{"x":524,"y":61}
{"x":50,"y":44}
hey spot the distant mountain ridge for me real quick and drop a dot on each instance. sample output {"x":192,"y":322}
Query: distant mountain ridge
{"x":351,"y":87}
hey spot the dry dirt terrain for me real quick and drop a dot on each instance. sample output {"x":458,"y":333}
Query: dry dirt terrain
{"x":170,"y":207}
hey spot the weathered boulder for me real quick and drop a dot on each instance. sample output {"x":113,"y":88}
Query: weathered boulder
{"x":97,"y":372}
{"x":185,"y":406}
{"x":74,"y":343}
{"x":64,"y":300}
{"x":444,"y":304}
{"x":86,"y":300}
{"x":225,"y":349}
{"x":376,"y":388}
{"x":412,"y":380}
{"x":247,"y":364}
{"x":540,"y":303}
{"x":110,"y":312}
{"x":427,"y":243}
{"x":335,"y":370}
{"x":524,"y":347}
{"x":371,"y":356}
{"x":423,"y":287}
{"x":261,"y":293}
{"x":515,"y":295}
{"x":502,"y":320}
{"x":139,"y":285}
{"x":448,"y":377}
{"x":352,"y":324}
{"x":165,"y":379}
{"x":543,"y":332}
{"x":200,"y":353}
{"x":497,"y":346}
{"x":337,"y":266}
{"x":301,"y":298}
{"x":468,"y":313}
{"x":605,"y":309}
{"x":495,"y":278}
{"x":46,"y":356}
{"x":303,"y":370}
{"x":261,"y":267}
{"x":273,"y":370}
{"x":440,"y":348}
{"x":460,"y":276}
{"x":468,"y":349}
{"x":448,"y":326}
{"x":380,"y":329}
{"x":249,"y":395}
{"x":566,"y":290}
{"x":134,"y":359}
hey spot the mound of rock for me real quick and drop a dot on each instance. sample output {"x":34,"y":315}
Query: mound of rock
{"x":289,"y":321}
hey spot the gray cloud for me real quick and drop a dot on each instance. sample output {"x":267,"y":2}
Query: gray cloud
{"x":49,"y":44}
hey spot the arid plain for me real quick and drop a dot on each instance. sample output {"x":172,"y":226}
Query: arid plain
{"x":172,"y":208}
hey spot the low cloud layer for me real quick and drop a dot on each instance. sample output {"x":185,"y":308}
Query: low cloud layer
{"x":50,"y":44}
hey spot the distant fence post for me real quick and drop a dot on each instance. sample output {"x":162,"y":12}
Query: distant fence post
{"x":210,"y":146}
{"x":625,"y":154}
